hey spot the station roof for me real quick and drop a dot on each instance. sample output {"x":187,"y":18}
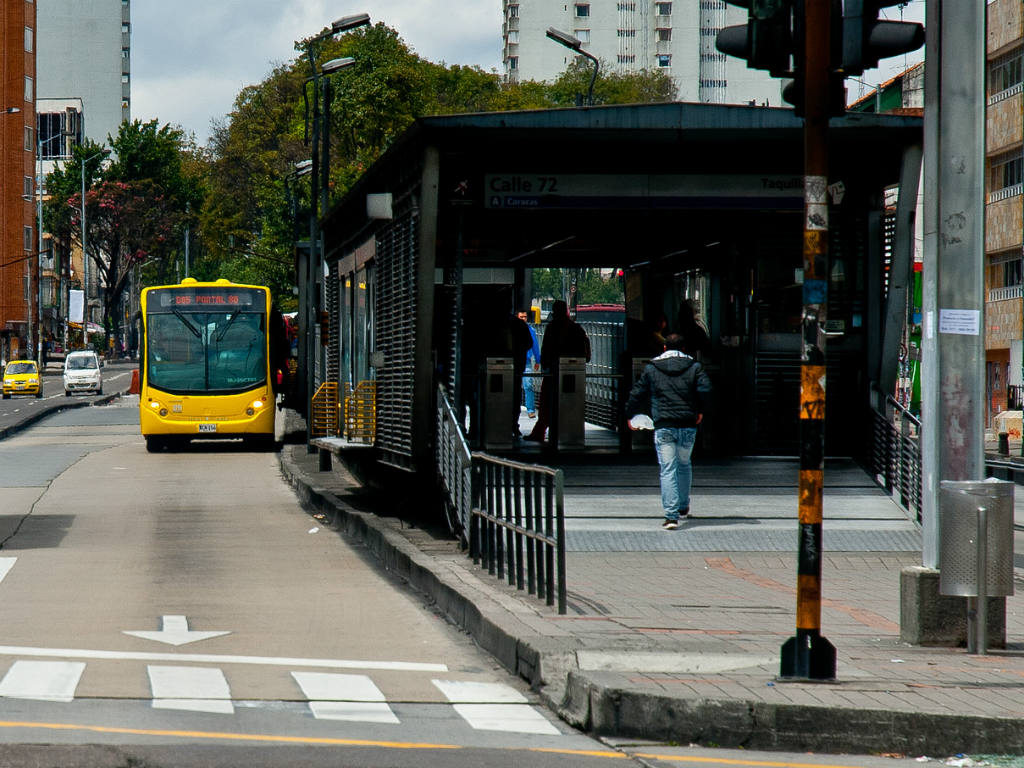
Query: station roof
{"x":607,"y":154}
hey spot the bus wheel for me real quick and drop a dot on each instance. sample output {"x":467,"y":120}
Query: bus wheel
{"x":154,"y":444}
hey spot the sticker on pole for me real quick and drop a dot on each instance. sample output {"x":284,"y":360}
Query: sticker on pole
{"x":962,"y":322}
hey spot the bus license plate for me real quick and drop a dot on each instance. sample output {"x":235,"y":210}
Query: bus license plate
{"x":207,"y":427}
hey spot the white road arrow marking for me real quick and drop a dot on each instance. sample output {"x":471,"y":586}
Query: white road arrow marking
{"x":174,"y":631}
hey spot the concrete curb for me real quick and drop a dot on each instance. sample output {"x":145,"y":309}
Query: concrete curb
{"x":493,"y":626}
{"x":604,"y":703}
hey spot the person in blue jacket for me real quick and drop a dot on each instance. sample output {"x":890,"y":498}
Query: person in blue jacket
{"x":532,"y":366}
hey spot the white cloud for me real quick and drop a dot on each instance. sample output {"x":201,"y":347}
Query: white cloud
{"x":190,"y":58}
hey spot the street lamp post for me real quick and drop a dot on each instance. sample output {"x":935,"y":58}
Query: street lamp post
{"x":319,"y":198}
{"x":85,"y":255}
{"x":575,"y":44}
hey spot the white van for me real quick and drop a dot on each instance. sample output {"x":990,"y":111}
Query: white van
{"x":82,"y":373}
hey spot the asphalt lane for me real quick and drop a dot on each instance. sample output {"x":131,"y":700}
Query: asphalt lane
{"x":187,"y":599}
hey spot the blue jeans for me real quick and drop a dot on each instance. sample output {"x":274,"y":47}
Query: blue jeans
{"x":674,"y":446}
{"x":530,"y":397}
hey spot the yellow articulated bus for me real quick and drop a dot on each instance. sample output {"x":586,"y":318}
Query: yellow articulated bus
{"x":205,"y":368}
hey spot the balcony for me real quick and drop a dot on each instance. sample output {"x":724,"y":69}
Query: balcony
{"x":1004,"y":220}
{"x":1004,"y":25}
{"x":1005,"y":294}
{"x":1003,"y":123}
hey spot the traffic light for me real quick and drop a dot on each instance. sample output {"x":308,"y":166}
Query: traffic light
{"x":866,"y":39}
{"x":766,"y":40}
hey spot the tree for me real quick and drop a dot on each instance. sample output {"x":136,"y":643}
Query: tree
{"x":135,"y":207}
{"x":611,"y":87}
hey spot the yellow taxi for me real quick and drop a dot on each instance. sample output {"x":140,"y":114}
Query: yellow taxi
{"x":21,"y":377}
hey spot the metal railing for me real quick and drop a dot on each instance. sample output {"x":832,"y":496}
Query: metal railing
{"x":510,"y":514}
{"x":517,"y":526}
{"x":454,"y":466}
{"x":895,"y":453}
{"x":1014,"y":397}
{"x":324,"y":420}
{"x":359,"y":412}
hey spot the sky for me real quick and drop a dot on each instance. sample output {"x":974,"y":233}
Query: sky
{"x":191,"y":58}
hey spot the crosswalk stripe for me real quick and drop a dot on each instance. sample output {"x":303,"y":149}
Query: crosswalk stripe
{"x":43,"y":680}
{"x":6,"y":563}
{"x":197,"y":689}
{"x":494,"y":707}
{"x":344,"y":697}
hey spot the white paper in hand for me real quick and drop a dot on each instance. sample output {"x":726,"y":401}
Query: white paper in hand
{"x":641,"y":421}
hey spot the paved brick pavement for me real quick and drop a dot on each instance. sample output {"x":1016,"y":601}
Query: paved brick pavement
{"x":684,"y":646}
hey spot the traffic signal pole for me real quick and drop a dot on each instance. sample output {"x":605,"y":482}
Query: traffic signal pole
{"x":808,"y":655}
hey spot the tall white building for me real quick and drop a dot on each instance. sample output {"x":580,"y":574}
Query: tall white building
{"x":84,"y":71}
{"x":675,"y":36}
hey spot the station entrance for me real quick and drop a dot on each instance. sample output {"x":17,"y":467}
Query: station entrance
{"x":695,"y":208}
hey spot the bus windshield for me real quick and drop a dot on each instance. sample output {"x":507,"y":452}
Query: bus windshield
{"x":206,"y":352}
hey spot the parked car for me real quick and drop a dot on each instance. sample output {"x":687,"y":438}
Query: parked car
{"x":21,"y":377}
{"x":82,"y":373}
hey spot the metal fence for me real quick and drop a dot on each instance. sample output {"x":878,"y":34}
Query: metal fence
{"x":454,"y":465}
{"x":510,"y":514}
{"x":517,"y":527}
{"x":895,"y":455}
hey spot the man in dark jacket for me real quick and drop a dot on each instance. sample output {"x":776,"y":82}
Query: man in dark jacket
{"x":674,"y":389}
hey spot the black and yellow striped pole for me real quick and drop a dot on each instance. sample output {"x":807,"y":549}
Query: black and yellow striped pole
{"x":808,"y":655}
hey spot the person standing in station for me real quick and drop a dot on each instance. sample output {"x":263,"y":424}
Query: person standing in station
{"x":563,"y":338}
{"x":674,"y":391}
{"x":532,"y":366}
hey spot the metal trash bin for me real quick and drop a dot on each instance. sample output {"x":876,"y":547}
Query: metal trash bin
{"x":496,"y":400}
{"x":572,"y":401}
{"x":976,"y":548}
{"x":959,"y":537}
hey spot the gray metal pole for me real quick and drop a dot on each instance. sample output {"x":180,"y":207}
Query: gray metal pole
{"x":954,"y":344}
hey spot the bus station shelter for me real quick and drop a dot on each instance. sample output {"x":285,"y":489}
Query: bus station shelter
{"x":693,"y":202}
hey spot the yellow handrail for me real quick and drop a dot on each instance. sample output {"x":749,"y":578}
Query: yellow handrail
{"x":324,"y":410}
{"x":360,"y":412}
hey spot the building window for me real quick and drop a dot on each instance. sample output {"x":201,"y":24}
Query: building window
{"x":513,"y":11}
{"x":1006,"y":72}
{"x":1004,"y":269}
{"x":30,"y":142}
{"x":28,"y":238}
{"x":626,"y":33}
{"x":126,"y":53}
{"x":583,"y":35}
{"x":513,"y":35}
{"x":126,"y":29}
{"x":29,"y":89}
{"x":663,"y":35}
{"x":626,"y":7}
{"x":27,"y":188}
{"x":28,"y":40}
{"x":627,"y":58}
{"x":1007,"y":171}
{"x":513,"y":62}
{"x":582,"y":10}
{"x":663,"y":9}
{"x":665,"y":60}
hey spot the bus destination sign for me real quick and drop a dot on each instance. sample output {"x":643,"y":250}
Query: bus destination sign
{"x":205,"y":299}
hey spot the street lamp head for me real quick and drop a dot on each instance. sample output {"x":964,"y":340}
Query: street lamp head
{"x":303,"y":167}
{"x":335,"y":64}
{"x":12,"y":110}
{"x":345,"y":23}
{"x":564,"y":38}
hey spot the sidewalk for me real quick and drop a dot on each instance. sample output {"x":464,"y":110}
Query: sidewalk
{"x":684,"y":646}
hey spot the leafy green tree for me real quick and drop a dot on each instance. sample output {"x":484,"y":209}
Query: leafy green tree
{"x":611,"y":87}
{"x":136,"y":206}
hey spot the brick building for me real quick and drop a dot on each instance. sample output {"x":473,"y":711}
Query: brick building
{"x":18,"y":235}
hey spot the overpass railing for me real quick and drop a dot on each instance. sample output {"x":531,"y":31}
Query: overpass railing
{"x":510,"y":514}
